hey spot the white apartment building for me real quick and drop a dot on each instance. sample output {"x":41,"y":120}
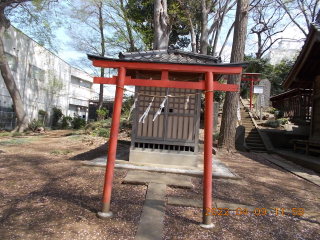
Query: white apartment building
{"x":284,"y":50}
{"x":44,"y":80}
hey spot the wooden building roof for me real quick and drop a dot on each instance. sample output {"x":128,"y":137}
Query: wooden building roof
{"x":306,"y":67}
{"x":289,"y":94}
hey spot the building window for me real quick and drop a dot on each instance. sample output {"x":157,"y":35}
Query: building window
{"x":80,"y":82}
{"x":36,"y":73}
{"x":12,"y":61}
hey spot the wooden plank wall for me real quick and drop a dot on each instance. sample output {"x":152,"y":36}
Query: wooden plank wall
{"x":315,"y":129}
{"x":176,"y":125}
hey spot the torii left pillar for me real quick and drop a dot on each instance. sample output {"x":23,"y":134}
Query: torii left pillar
{"x":106,"y":197}
{"x":207,"y":170}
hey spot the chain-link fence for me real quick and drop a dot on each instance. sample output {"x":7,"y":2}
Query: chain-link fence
{"x":7,"y":120}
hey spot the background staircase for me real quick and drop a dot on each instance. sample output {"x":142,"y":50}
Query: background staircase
{"x":252,"y":137}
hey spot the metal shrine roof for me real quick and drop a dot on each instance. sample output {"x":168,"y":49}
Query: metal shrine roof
{"x":169,"y":56}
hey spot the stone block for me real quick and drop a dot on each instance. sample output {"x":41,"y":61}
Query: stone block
{"x":240,"y":135}
{"x":165,"y":157}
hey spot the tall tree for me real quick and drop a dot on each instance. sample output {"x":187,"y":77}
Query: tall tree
{"x":88,"y":17}
{"x":268,"y":22}
{"x":162,"y":25}
{"x":8,"y":8}
{"x":170,"y":22}
{"x":229,"y":114}
{"x":301,"y":12}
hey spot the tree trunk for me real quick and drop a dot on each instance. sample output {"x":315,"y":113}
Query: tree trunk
{"x":162,"y":25}
{"x":204,"y":28}
{"x":259,"y":52}
{"x":103,"y":51}
{"x":229,"y":116}
{"x":129,"y":29}
{"x":214,"y":47}
{"x":7,"y":76}
{"x":225,"y":41}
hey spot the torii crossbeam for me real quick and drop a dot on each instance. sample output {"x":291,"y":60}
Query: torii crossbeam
{"x":208,"y":85}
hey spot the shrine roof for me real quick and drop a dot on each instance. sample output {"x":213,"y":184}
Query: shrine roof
{"x":306,"y":66}
{"x":169,"y":56}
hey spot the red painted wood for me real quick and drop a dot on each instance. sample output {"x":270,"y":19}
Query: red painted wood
{"x":113,"y":139}
{"x":168,"y":67}
{"x":249,"y":79}
{"x":208,"y":131}
{"x":251,"y":75}
{"x":165,"y":76}
{"x":251,"y":93}
{"x":168,"y":84}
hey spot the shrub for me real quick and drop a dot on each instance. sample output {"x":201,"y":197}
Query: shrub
{"x":78,"y":122}
{"x":104,"y":133}
{"x":278,"y":114}
{"x":101,"y":114}
{"x":42,"y":113}
{"x":216,"y":136}
{"x":5,"y":134}
{"x":56,"y":116}
{"x":16,"y":134}
{"x":55,"y":152}
{"x":126,"y":106}
{"x":284,"y":121}
{"x":66,"y":122}
{"x":272,"y":110}
{"x":273,"y":123}
{"x":34,"y":124}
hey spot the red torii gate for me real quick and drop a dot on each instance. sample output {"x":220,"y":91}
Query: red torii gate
{"x":252,"y":80}
{"x":209,"y":85}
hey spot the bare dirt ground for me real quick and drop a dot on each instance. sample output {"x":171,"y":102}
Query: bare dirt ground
{"x":50,"y":196}
{"x":45,"y":193}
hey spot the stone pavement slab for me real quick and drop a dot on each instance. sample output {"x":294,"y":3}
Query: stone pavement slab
{"x":174,"y":201}
{"x":219,"y":169}
{"x":198,"y":203}
{"x":137,"y":177}
{"x":151,"y":220}
{"x":312,"y":178}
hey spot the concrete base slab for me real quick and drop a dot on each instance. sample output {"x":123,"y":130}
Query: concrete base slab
{"x":185,"y":202}
{"x":151,"y":220}
{"x":105,"y":216}
{"x":312,"y":178}
{"x":205,"y":226}
{"x":198,"y":203}
{"x":304,"y":160}
{"x":136,"y":177}
{"x":219,"y":169}
{"x":160,"y":156}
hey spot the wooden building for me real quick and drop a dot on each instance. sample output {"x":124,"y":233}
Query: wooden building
{"x":305,"y":74}
{"x":295,"y":103}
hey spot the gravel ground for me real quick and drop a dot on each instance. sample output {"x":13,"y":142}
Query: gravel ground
{"x":48,"y":196}
{"x":264,"y":185}
{"x":51,"y":196}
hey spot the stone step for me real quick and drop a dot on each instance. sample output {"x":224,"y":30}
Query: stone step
{"x":253,"y":140}
{"x":249,"y":125}
{"x":250,"y":140}
{"x":253,"y":131}
{"x":258,"y":149}
{"x":255,"y":145}
{"x":252,"y":135}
